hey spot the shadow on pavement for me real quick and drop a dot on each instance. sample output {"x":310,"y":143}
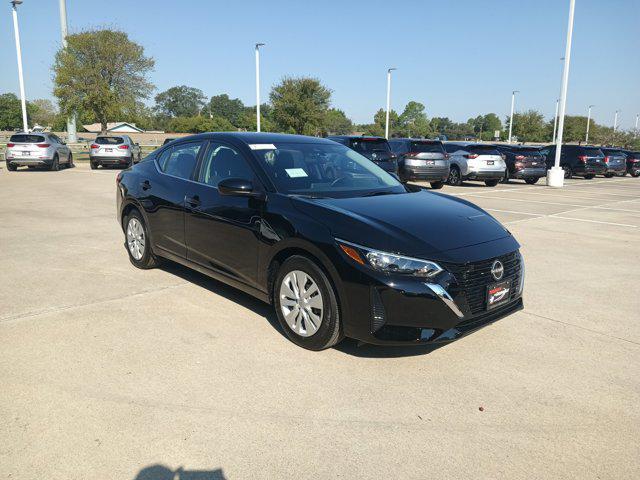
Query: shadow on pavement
{"x":160,"y":472}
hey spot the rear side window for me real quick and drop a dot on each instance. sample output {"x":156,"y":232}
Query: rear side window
{"x":109,"y":140}
{"x":427,"y":147}
{"x":370,"y":145}
{"x":180,"y":160}
{"x":452,"y":147}
{"x":23,"y":138}
{"x":483,"y":150}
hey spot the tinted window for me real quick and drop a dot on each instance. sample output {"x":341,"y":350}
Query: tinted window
{"x":398,"y":147}
{"x":426,"y":147}
{"x":322,"y":169}
{"x":591,"y":152}
{"x":223,"y":162}
{"x":370,"y":145}
{"x":452,"y":147}
{"x":109,"y":140}
{"x":483,"y":150}
{"x":22,"y":138}
{"x":528,"y":150}
{"x":180,"y":160}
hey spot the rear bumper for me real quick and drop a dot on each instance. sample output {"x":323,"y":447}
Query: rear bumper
{"x":103,"y":160}
{"x":34,"y":162}
{"x":434,"y":174}
{"x":484,"y":175}
{"x":616,"y":170}
{"x":530,"y":173}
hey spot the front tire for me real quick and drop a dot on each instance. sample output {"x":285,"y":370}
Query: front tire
{"x":137,"y":243}
{"x":306,"y":304}
{"x":455,"y":178}
{"x":531,"y":181}
{"x":635,"y":174}
{"x":437,"y":185}
{"x":491,"y":183}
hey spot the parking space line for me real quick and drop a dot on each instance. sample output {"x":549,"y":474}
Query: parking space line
{"x":512,"y":211}
{"x":595,"y":221}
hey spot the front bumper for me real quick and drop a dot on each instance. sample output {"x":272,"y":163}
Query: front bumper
{"x":397,"y":310}
{"x":530,"y":173}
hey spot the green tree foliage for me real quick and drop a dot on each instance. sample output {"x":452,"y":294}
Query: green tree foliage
{"x":529,"y":126}
{"x":336,"y":123}
{"x":180,"y":101}
{"x":300,"y":105}
{"x":224,"y":107}
{"x":485,"y":126}
{"x":103,"y":72}
{"x":413,"y":121}
{"x":44,"y":112}
{"x":199,"y":125}
{"x":11,"y":112}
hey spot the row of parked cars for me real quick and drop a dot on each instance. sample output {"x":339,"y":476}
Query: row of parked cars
{"x":454,"y":162}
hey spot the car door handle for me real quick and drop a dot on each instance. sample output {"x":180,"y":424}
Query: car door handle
{"x":193,"y":201}
{"x":146,"y":185}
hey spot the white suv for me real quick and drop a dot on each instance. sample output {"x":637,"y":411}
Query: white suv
{"x":37,"y":150}
{"x":117,"y":150}
{"x":475,"y":161}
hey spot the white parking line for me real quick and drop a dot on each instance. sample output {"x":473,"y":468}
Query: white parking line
{"x":511,"y":211}
{"x":595,"y":221}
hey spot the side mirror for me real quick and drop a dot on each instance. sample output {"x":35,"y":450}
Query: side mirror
{"x":238,"y":187}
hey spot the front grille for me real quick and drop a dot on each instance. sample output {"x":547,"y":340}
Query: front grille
{"x":473,"y":278}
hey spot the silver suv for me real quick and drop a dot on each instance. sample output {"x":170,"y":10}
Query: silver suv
{"x":117,"y":150}
{"x":475,"y":161}
{"x":37,"y":150}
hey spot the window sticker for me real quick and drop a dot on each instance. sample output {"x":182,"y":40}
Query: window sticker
{"x":296,"y":172}
{"x":262,"y":146}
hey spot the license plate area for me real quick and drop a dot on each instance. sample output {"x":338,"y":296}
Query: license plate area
{"x":108,"y":150}
{"x":489,"y":162}
{"x":498,"y":294}
{"x":430,"y":163}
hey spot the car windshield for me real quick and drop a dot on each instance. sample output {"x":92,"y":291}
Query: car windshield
{"x":22,"y":138}
{"x":370,"y":145}
{"x":592,"y":152}
{"x":109,"y":140}
{"x":322,"y":169}
{"x":483,"y":150}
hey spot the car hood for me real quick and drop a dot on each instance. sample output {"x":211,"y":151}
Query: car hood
{"x":420,"y":223}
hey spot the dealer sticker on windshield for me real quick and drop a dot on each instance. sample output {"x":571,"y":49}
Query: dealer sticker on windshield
{"x":262,"y":146}
{"x":296,"y":172}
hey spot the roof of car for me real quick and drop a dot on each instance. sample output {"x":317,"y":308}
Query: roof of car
{"x":259,"y":137}
{"x":357,"y":137}
{"x":416,"y":139}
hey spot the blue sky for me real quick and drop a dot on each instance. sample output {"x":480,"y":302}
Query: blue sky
{"x":460,"y":58}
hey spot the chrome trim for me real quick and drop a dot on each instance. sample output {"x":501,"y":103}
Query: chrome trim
{"x":446,"y":298}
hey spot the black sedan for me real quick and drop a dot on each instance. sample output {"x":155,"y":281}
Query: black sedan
{"x":353,"y":254}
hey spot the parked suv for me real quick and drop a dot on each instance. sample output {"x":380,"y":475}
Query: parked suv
{"x":475,"y":161}
{"x":633,"y":163}
{"x":375,"y":149}
{"x":37,"y":150}
{"x":421,"y":160}
{"x":582,"y":160}
{"x":616,"y":161}
{"x":524,"y":162}
{"x":120,"y":150}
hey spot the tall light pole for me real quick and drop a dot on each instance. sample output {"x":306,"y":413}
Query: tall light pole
{"x":637,"y":115}
{"x":258,"y":45}
{"x":386,"y":125}
{"x":586,"y":138}
{"x":555,"y":176}
{"x":615,"y":121}
{"x":555,"y":120}
{"x":513,"y":101}
{"x":16,"y":30}
{"x":71,"y":121}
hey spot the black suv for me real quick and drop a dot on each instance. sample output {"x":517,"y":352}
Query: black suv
{"x":524,"y":162}
{"x":375,"y":149}
{"x":421,"y":160}
{"x":616,"y":161}
{"x":582,"y":160}
{"x":633,"y":163}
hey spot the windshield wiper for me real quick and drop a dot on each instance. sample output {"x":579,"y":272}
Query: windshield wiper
{"x":383,"y":192}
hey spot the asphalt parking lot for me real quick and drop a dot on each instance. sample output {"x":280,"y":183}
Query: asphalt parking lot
{"x":112,"y":372}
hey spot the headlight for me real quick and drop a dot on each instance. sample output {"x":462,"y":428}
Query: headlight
{"x":389,"y":262}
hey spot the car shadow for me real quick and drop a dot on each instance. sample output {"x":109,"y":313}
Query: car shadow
{"x":160,"y":472}
{"x":348,"y":346}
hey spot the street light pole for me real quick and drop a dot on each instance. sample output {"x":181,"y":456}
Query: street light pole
{"x":71,"y":121}
{"x":258,"y":45}
{"x":586,"y":138}
{"x":555,"y":176}
{"x":615,"y":121}
{"x":23,"y":101}
{"x":513,"y":100}
{"x":637,"y":115}
{"x":555,"y":120}
{"x":386,"y":125}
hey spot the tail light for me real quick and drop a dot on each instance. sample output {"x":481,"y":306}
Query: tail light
{"x":9,"y":145}
{"x":43,"y":145}
{"x":471,"y":155}
{"x":95,"y":145}
{"x":634,"y":160}
{"x":582,"y":158}
{"x":520,"y":157}
{"x":124,"y":147}
{"x":606,"y":159}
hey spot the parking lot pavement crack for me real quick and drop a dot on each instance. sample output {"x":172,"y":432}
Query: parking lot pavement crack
{"x":60,"y":308}
{"x":582,"y":328}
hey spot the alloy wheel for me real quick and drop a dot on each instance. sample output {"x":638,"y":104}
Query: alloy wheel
{"x":135,"y":238}
{"x":301,"y":303}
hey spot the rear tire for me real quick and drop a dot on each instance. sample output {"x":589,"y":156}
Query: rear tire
{"x":437,"y":185}
{"x":589,"y":177}
{"x":635,"y":174}
{"x":531,"y":181}
{"x":455,"y":178}
{"x":10,"y":167}
{"x":55,"y":165}
{"x":137,"y":243}
{"x":94,"y":166}
{"x":608,"y":175}
{"x":287,"y":297}
{"x":491,"y":183}
{"x":506,"y":177}
{"x":568,"y":171}
{"x":70,"y":161}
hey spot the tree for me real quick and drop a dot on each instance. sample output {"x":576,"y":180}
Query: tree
{"x":413,"y":122}
{"x":336,"y":123}
{"x":380,"y":120}
{"x":11,"y":112}
{"x":199,"y":125}
{"x":529,"y":126}
{"x":300,"y":105}
{"x":224,"y":107}
{"x":103,"y":72}
{"x":180,"y":101}
{"x":44,"y":112}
